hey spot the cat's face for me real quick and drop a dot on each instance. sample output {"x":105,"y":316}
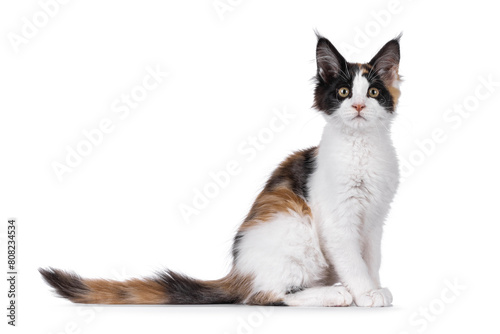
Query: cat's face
{"x":355,"y":95}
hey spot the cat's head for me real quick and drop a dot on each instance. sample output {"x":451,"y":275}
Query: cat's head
{"x":357,"y":96}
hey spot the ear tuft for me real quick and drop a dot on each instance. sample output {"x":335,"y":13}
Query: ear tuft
{"x":386,"y":61}
{"x":328,"y":60}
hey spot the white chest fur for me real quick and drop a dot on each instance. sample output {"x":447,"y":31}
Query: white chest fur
{"x":356,"y":176}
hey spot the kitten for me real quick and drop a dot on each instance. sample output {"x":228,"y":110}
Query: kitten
{"x":312,"y":237}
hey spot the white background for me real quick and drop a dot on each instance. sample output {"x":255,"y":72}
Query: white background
{"x":116,"y":215}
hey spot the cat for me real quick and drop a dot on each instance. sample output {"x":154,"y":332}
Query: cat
{"x":313,"y":235}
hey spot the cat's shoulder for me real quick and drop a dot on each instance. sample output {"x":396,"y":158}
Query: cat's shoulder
{"x":295,"y":171}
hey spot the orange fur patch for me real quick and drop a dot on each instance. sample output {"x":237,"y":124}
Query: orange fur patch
{"x":365,"y":68}
{"x":134,"y":291}
{"x":395,"y":93}
{"x":280,"y":198}
{"x":268,"y":204}
{"x":236,"y":284}
{"x":264,"y":298}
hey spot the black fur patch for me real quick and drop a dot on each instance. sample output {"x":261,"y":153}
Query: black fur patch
{"x":236,"y":243}
{"x":326,"y":98}
{"x":66,"y":284}
{"x":294,"y":289}
{"x":182,"y":289}
{"x":384,"y":98}
{"x":295,"y":171}
{"x":277,"y":304}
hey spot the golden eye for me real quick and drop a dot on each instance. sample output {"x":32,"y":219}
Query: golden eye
{"x":373,"y":92}
{"x":343,"y":92}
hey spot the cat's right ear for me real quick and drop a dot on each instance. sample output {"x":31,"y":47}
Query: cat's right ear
{"x":329,"y":61}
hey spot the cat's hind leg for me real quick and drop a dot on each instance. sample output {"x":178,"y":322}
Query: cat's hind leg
{"x":320,"y":296}
{"x":280,"y":252}
{"x":335,"y":295}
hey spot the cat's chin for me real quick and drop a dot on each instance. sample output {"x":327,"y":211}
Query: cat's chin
{"x":357,"y":123}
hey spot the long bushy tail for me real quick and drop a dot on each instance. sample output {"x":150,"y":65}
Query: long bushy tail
{"x":165,"y":288}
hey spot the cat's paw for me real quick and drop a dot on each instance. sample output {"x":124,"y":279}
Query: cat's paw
{"x":374,"y":298}
{"x":338,"y":296}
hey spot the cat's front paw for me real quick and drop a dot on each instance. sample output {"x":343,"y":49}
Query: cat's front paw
{"x":374,"y":298}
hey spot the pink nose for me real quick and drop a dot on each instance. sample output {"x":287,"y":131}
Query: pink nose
{"x":358,"y":107}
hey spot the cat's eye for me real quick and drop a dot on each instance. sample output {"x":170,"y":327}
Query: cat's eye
{"x":373,"y":92}
{"x":343,"y":92}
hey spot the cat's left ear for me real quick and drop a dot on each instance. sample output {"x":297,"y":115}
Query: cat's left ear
{"x":386,"y":62}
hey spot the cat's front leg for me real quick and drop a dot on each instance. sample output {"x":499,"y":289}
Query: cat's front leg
{"x":371,"y":241}
{"x":344,"y":247}
{"x":371,"y":252}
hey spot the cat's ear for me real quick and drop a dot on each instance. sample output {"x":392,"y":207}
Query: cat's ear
{"x":328,"y":60}
{"x":386,"y":62}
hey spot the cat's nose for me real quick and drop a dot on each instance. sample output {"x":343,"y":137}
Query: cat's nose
{"x":358,"y":107}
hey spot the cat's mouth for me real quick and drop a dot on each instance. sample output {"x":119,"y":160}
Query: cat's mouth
{"x":358,"y":117}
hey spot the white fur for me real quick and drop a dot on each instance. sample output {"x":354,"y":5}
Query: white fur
{"x":350,"y":193}
{"x":351,"y":190}
{"x":282,"y":253}
{"x":335,"y":295}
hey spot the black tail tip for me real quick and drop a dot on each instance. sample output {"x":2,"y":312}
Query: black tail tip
{"x":66,"y":284}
